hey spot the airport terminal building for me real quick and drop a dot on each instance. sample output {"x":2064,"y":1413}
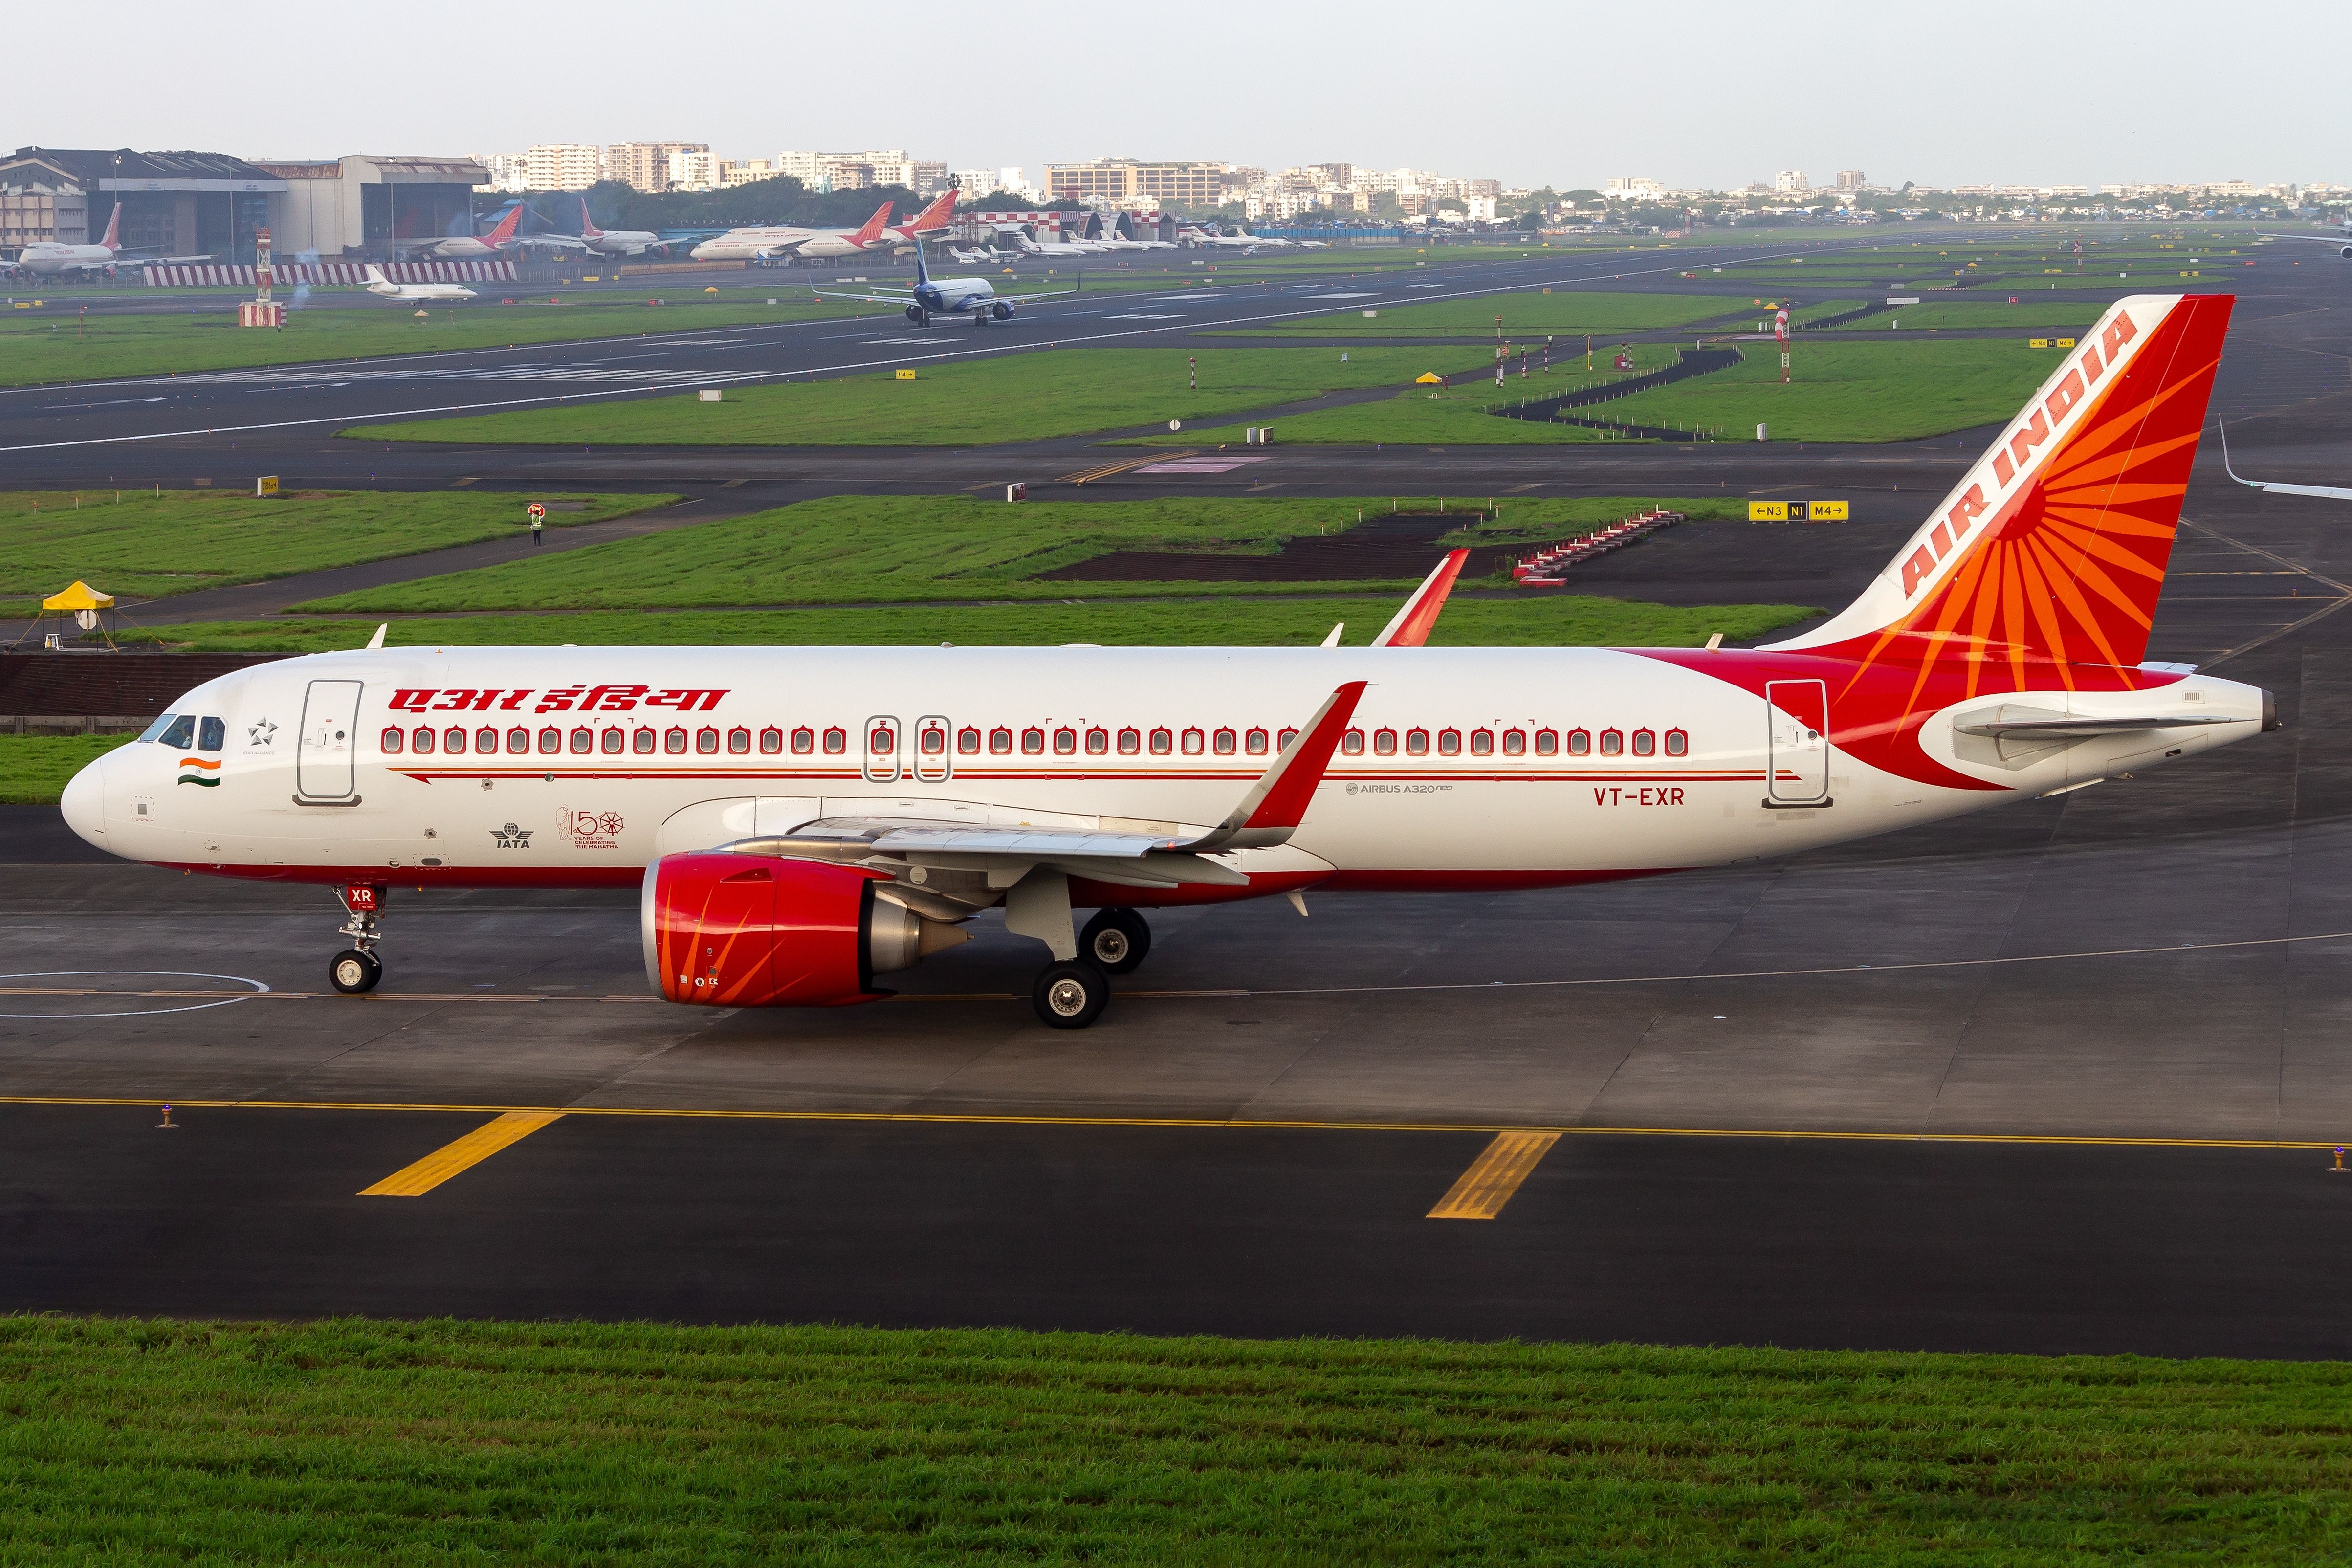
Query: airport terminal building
{"x":212,"y":205}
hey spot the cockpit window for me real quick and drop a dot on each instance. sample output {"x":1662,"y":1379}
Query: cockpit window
{"x":155,"y":730}
{"x":210,"y":735}
{"x":177,"y":731}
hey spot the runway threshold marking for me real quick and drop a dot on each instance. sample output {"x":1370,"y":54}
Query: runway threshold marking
{"x":499,"y":1132}
{"x":1084,"y":476}
{"x":1481,"y":1191}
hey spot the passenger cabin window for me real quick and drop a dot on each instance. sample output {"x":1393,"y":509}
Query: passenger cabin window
{"x":614,"y":740}
{"x":803,"y":741}
{"x":583,"y":739}
{"x":1000,"y":742}
{"x":1579,"y":743}
{"x":882,"y":741}
{"x":1449,"y":742}
{"x":518,"y":740}
{"x":706,"y":741}
{"x":1352,"y":743}
{"x":968,"y":740}
{"x":1193,"y":742}
{"x":674,"y":741}
{"x":1033,"y":742}
{"x":1645,"y":743}
{"x":771,"y":741}
{"x":486,"y":740}
{"x":210,"y":735}
{"x":1613,"y":744}
{"x":453,"y":741}
{"x":1547,"y":743}
{"x":837,"y":740}
{"x":641,"y":742}
{"x":1130,"y":743}
{"x":391,"y":741}
{"x":550,"y":741}
{"x":1416,"y":742}
{"x":1066,"y":742}
{"x":1677,"y":744}
{"x":1481,"y":742}
{"x":1223,"y":742}
{"x":1515,"y":743}
{"x":738,"y":742}
{"x":1284,"y":738}
{"x":1384,"y":742}
{"x":1254,"y":742}
{"x":1098,"y":743}
{"x":421,"y":741}
{"x":1162,"y":742}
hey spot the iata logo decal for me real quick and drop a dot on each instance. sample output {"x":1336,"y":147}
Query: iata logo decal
{"x":590,"y":830}
{"x":201,"y":777}
{"x":512,"y":837}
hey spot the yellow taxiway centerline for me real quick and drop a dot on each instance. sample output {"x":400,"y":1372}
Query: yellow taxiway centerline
{"x":415,"y":1181}
{"x":1482,"y":1189}
{"x":1227,"y":1123}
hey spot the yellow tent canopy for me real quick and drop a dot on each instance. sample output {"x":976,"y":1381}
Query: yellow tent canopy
{"x":80,"y":596}
{"x":1426,"y":378}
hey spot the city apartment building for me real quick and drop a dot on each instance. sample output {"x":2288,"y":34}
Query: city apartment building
{"x":1789,"y":183}
{"x":563,"y":166}
{"x":1192,"y":183}
{"x":645,"y":166}
{"x":1850,"y":180}
{"x":697,"y":171}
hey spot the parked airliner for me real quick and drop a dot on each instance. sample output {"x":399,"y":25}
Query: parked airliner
{"x":801,"y":821}
{"x":974,"y":297}
{"x":48,"y":257}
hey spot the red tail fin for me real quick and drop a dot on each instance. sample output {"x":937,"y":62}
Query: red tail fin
{"x":113,"y":240}
{"x":874,"y":226}
{"x":938,"y":215}
{"x":2053,"y":549}
{"x":588,"y":230}
{"x":506,"y":227}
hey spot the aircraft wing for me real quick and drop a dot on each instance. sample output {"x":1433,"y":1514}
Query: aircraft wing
{"x":1264,"y":818}
{"x":870,"y":298}
{"x":2273,"y":487}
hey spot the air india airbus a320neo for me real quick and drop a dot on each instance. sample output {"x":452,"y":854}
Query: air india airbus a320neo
{"x":801,"y":820}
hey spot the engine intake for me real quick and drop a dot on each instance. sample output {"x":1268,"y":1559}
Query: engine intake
{"x":726,"y":929}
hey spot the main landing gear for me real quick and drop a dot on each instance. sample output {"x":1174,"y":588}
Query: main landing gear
{"x":1072,"y":991}
{"x":357,"y":968}
{"x":1115,"y":940}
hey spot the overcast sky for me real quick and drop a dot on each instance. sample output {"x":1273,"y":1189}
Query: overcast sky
{"x":1697,"y":92}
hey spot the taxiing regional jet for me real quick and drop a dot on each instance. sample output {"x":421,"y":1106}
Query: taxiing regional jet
{"x":801,"y":821}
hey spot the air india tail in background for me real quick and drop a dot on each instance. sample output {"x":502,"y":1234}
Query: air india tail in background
{"x":2042,"y":568}
{"x":874,"y":226}
{"x":113,"y":237}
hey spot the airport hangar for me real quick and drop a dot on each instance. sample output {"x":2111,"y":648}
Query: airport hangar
{"x":211,"y":204}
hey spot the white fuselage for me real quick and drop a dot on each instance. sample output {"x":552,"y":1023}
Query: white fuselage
{"x":421,"y":292}
{"x":47,"y":258}
{"x":579,"y":766}
{"x":623,"y":241}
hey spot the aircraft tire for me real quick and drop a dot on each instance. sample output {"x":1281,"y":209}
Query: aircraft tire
{"x":1070,"y":996}
{"x":1116,"y":941}
{"x":352,"y":972}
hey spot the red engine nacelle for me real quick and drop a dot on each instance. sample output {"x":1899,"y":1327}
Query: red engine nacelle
{"x":754,"y":930}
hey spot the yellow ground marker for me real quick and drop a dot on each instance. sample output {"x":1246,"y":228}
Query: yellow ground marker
{"x":1494,"y":1176}
{"x":415,"y":1181}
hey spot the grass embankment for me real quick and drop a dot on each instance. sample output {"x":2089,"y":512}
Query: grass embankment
{"x":34,"y":769}
{"x":1844,"y":390}
{"x":1525,"y":316}
{"x":351,"y":1441}
{"x":1027,"y":396}
{"x":1956,"y":315}
{"x":150,"y":545}
{"x":1454,"y":415}
{"x":49,"y":344}
{"x":852,"y":550}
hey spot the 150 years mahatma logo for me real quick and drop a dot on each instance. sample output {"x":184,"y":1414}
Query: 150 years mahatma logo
{"x":589,"y":829}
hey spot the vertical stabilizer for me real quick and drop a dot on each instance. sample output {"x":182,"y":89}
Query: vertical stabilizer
{"x":2053,"y":549}
{"x":874,"y":226}
{"x":113,"y":240}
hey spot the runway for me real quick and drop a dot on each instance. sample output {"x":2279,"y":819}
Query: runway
{"x":2066,"y":1077}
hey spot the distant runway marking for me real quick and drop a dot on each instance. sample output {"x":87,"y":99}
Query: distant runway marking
{"x":1494,"y":1176}
{"x":1175,"y":1123}
{"x":415,"y":1181}
{"x":198,"y":1001}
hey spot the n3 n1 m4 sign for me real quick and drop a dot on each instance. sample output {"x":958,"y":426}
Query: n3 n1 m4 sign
{"x":1797,"y":511}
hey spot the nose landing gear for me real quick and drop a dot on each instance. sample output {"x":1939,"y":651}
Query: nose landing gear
{"x":357,"y":968}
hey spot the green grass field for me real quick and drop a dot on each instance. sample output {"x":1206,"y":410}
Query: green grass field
{"x":48,"y":344}
{"x":852,"y":550}
{"x":1450,"y":415}
{"x":34,"y":769}
{"x":1846,"y":390}
{"x":1949,"y":315}
{"x":1535,"y":620}
{"x":1526,"y":316}
{"x":1025,"y":396}
{"x":148,"y":546}
{"x":350,"y":1441}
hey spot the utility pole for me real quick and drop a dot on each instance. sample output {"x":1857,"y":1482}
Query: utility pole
{"x":1781,"y":332}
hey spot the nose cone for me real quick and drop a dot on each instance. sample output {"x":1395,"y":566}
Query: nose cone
{"x":84,"y":803}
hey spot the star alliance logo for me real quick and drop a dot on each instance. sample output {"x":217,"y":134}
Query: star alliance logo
{"x":511,"y":836}
{"x":260,"y":734}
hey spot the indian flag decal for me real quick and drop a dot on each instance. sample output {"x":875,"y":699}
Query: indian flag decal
{"x":205,"y":777}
